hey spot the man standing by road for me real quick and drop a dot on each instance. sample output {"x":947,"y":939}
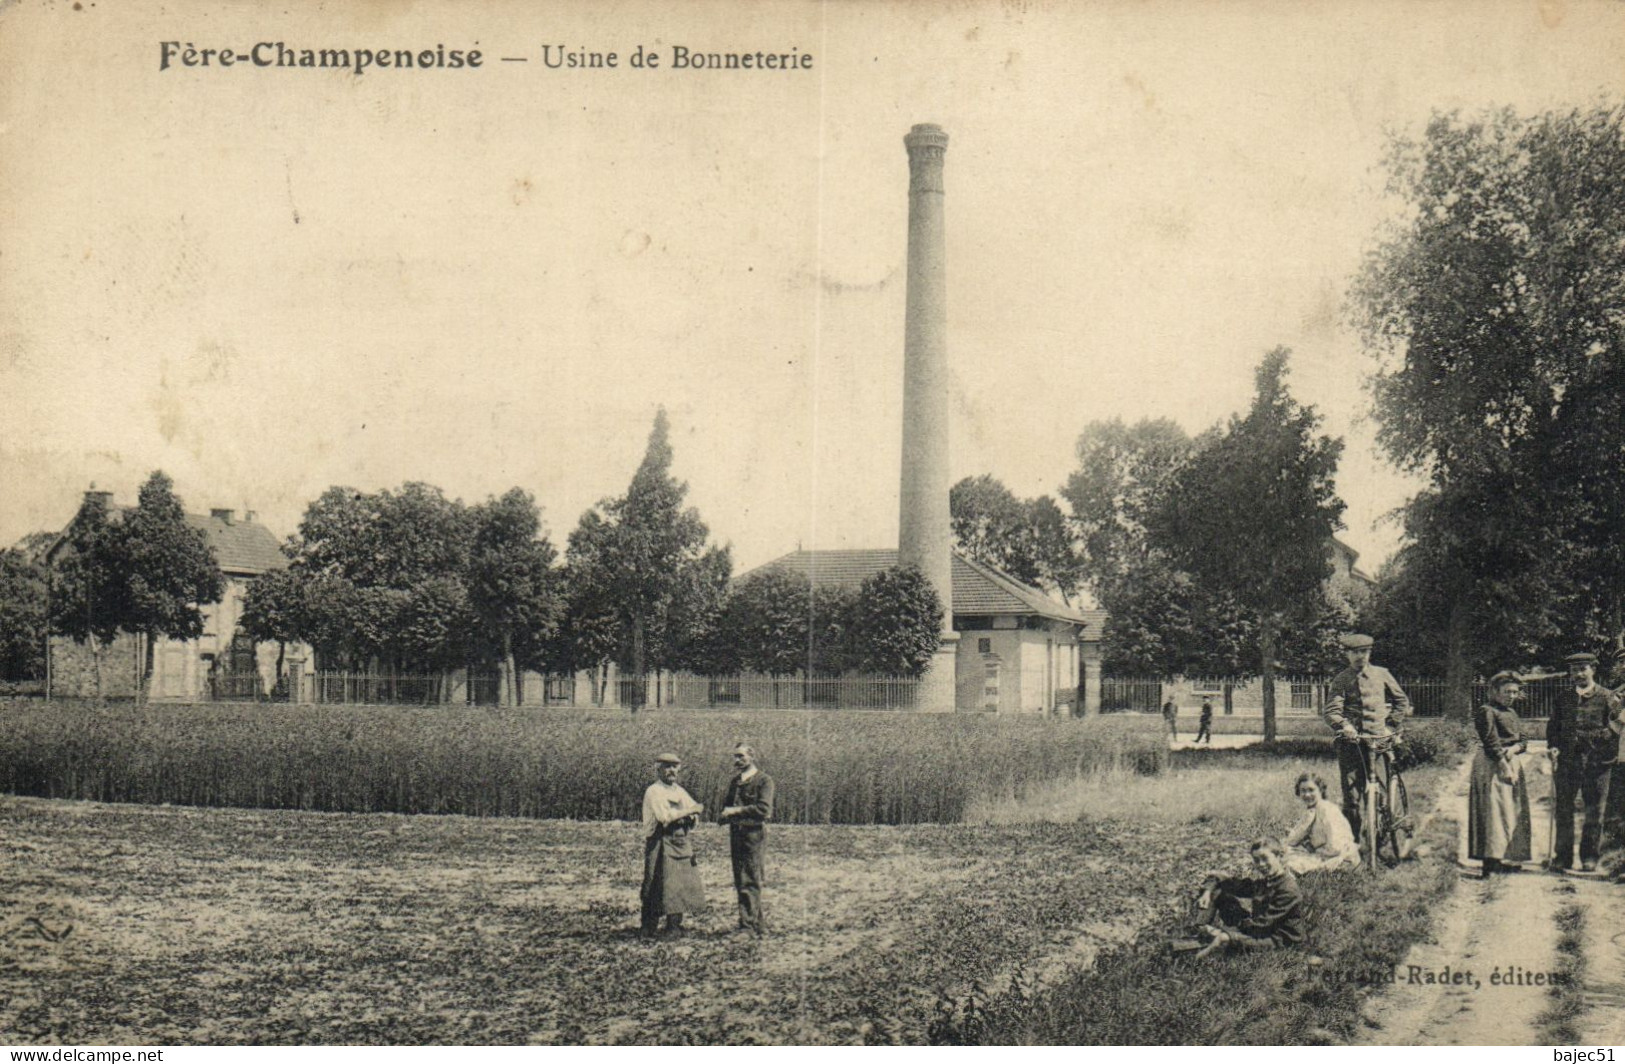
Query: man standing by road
{"x":746,"y":809}
{"x":1204,"y":726}
{"x":1365,"y":700}
{"x":1583,"y":740}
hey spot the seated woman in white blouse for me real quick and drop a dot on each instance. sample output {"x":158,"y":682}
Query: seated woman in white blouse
{"x":1323,"y":838}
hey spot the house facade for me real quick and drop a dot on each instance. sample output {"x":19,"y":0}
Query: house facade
{"x":1347,"y":577}
{"x":221,"y":663}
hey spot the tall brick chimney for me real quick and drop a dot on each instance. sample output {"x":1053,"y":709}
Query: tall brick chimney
{"x":925,"y":537}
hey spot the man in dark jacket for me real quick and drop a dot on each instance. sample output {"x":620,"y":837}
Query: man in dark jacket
{"x":746,"y":809}
{"x":1583,"y":740}
{"x":1251,"y":914}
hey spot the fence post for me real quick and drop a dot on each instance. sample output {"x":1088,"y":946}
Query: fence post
{"x":296,"y":677}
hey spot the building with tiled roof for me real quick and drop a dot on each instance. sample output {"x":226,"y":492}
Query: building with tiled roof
{"x":223,"y":662}
{"x":1019,"y":650}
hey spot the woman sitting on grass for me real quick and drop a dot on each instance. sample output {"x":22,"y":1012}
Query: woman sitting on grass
{"x":1261,"y":913}
{"x":1322,"y":839}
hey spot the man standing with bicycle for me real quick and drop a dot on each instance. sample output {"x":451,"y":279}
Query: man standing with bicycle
{"x":1365,"y":701}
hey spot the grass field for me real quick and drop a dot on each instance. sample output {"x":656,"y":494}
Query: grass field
{"x":830,"y":767}
{"x":242,"y":926}
{"x":245,"y":926}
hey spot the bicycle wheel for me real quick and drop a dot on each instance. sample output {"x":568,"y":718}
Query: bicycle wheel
{"x":1395,"y":834}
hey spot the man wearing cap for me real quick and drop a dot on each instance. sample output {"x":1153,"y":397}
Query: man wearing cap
{"x":1583,"y":740}
{"x":746,"y":809}
{"x":671,"y":882}
{"x":1365,"y":700}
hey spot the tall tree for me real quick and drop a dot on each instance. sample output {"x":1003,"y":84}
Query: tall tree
{"x":1122,"y":476}
{"x":24,"y":599}
{"x":1026,"y":538}
{"x":384,"y":577}
{"x":512,"y":586}
{"x":896,"y":625}
{"x":89,"y":583}
{"x":1252,"y":515}
{"x":1159,"y":620}
{"x":589,"y":634}
{"x":1495,"y":313}
{"x":274,"y":611}
{"x":642,"y":549}
{"x":172,"y":571}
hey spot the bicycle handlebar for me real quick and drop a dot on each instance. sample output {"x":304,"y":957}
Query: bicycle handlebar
{"x":1370,"y":740}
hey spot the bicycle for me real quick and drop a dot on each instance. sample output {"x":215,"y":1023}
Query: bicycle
{"x":1385,"y":807}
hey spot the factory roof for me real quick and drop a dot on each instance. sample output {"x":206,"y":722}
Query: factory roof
{"x":979,"y":590}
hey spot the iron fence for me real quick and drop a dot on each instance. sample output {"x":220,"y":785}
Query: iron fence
{"x":1129,"y":694}
{"x":1428,"y":696}
{"x":687,"y":691}
{"x":1301,"y":694}
{"x":555,"y":690}
{"x":237,"y":687}
{"x":356,"y":688}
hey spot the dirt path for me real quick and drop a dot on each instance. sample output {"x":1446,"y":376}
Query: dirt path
{"x":1484,"y":978}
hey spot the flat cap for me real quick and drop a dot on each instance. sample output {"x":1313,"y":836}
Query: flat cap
{"x":1505,"y":676}
{"x":1355,"y":641}
{"x":668,"y":759}
{"x":1581,"y":659}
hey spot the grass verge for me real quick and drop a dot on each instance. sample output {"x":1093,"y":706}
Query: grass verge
{"x":1360,"y":928}
{"x":1559,"y":1021}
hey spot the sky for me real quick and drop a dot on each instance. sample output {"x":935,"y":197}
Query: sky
{"x":269,"y":281}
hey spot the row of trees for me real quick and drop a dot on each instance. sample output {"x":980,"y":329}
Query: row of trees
{"x":411,"y":581}
{"x":1210,"y":554}
{"x":422,"y":583}
{"x":776,"y":622}
{"x":1495,"y":314}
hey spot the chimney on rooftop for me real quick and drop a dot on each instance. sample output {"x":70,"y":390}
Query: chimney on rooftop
{"x":249,"y":516}
{"x":106,"y":497}
{"x":223,"y":515}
